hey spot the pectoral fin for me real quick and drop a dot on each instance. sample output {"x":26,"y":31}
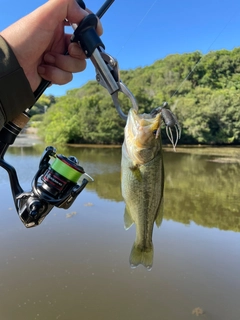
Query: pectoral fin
{"x":159,"y":217}
{"x":128,"y":221}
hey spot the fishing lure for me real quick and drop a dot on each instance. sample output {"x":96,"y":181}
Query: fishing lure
{"x":170,"y":121}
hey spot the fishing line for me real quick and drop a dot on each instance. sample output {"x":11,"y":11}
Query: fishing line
{"x":200,"y":60}
{"x":137,"y":26}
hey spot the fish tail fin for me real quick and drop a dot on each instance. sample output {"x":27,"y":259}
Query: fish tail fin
{"x":141,"y":256}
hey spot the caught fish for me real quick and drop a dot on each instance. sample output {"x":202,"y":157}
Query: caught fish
{"x":142,"y":182}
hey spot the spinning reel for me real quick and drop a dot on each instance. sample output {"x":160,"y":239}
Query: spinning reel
{"x":56,"y":183}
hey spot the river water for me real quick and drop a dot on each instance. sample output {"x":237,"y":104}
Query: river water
{"x":75,"y":264}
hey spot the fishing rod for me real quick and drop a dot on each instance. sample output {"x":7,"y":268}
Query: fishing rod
{"x":60,"y":182}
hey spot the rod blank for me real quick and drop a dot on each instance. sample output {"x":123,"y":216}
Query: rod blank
{"x":104,"y":8}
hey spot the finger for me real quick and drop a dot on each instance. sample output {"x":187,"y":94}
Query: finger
{"x":73,"y":48}
{"x":75,"y":51}
{"x":99,"y":27}
{"x":74,"y":12}
{"x":66,"y":62}
{"x":68,"y":9}
{"x":56,"y":11}
{"x":54,"y":75}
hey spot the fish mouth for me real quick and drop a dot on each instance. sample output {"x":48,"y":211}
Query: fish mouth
{"x":145,"y":128}
{"x":142,"y":136}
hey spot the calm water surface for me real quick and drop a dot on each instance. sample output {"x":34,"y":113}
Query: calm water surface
{"x":75,"y":265}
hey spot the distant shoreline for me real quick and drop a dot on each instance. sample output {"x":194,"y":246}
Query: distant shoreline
{"x":30,"y":138}
{"x":26,"y":140}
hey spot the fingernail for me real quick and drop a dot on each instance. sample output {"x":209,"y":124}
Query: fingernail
{"x":49,"y":58}
{"x":41,"y":69}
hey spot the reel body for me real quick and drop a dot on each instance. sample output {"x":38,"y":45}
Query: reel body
{"x":55,"y":184}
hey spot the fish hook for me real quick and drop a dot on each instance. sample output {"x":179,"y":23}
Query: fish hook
{"x":170,"y":121}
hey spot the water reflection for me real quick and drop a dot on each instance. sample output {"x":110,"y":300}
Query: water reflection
{"x":199,"y":187}
{"x":85,"y":257}
{"x":202,"y":191}
{"x":101,"y":163}
{"x":196,"y":188}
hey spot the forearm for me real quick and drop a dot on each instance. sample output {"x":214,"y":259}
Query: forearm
{"x":15,"y":91}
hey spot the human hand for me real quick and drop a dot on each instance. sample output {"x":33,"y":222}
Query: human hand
{"x":39,"y":42}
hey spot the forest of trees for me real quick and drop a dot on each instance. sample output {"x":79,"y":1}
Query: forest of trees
{"x":202,"y":91}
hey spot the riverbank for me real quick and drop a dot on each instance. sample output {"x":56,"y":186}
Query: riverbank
{"x":30,"y":138}
{"x":27,"y":138}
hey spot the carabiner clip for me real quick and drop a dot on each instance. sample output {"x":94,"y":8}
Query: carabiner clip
{"x":110,"y":80}
{"x":124,"y":89}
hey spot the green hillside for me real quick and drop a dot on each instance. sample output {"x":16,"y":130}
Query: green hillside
{"x":202,"y":91}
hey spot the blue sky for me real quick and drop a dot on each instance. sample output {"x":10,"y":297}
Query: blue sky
{"x":138,"y":32}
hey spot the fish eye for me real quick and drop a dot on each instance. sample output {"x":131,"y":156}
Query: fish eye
{"x":154,"y":132}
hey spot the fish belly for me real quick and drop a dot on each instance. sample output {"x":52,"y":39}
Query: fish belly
{"x":142,"y":191}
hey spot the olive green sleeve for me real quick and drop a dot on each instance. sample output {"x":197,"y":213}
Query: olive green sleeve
{"x":15,"y":91}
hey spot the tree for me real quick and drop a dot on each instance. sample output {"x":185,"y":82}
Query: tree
{"x":202,"y":91}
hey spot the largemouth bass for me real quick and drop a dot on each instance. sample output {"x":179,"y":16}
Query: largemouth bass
{"x":142,"y":182}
